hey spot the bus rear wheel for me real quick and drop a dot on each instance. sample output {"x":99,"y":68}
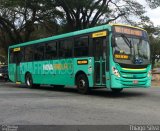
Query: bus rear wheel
{"x":116,"y":90}
{"x":29,"y":81}
{"x":82,"y":84}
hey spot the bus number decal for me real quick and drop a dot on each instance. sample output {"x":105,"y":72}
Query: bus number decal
{"x":16,"y":49}
{"x":99,"y":34}
{"x":82,"y":62}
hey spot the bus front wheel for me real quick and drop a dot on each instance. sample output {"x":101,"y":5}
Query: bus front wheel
{"x":82,"y":84}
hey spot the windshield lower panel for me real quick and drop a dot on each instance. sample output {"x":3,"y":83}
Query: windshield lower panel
{"x":131,"y":50}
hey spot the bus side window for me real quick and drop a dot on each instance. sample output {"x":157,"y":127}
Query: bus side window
{"x":16,"y":57}
{"x":39,"y":52}
{"x":81,"y":46}
{"x":51,"y":50}
{"x":29,"y":51}
{"x":65,"y":48}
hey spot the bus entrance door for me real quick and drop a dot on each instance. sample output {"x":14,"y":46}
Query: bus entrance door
{"x":99,"y":45}
{"x":17,"y":56}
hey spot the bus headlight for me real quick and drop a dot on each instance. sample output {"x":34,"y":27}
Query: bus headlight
{"x":149,"y":73}
{"x":115,"y":72}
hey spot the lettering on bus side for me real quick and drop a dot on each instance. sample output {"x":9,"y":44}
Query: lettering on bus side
{"x":59,"y":67}
{"x":82,"y":62}
{"x":56,"y":67}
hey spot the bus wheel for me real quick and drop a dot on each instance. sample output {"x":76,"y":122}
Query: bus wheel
{"x":82,"y":84}
{"x":116,"y":90}
{"x":29,"y":81}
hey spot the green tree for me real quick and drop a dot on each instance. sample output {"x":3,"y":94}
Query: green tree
{"x":153,"y":3}
{"x":24,"y":20}
{"x":155,"y":41}
{"x":88,"y":13}
{"x":18,"y":18}
{"x":154,"y":38}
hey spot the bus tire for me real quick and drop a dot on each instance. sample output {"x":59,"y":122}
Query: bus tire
{"x":116,"y":90}
{"x":82,"y":84}
{"x":29,"y":81}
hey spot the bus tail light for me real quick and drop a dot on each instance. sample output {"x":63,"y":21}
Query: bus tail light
{"x":115,"y":72}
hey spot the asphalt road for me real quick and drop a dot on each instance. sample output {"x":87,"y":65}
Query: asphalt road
{"x":50,"y":106}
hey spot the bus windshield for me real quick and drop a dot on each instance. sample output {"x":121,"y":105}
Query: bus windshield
{"x":131,"y":50}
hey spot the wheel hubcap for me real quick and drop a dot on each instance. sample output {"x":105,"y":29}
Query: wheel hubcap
{"x":81,"y":83}
{"x":28,"y":82}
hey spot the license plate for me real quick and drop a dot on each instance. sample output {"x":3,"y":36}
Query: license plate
{"x":135,"y":82}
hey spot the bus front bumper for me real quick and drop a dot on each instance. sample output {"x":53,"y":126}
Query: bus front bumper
{"x":130,"y":83}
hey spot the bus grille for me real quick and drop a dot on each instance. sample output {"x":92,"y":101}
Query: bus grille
{"x":128,"y":77}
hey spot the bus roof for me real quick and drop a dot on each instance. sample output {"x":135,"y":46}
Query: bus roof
{"x":85,"y":31}
{"x":63,"y":35}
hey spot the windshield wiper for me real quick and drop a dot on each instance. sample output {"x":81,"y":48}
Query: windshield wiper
{"x":128,"y":42}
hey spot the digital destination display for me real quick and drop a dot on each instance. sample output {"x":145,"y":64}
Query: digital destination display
{"x":128,"y":30}
{"x":119,"y":56}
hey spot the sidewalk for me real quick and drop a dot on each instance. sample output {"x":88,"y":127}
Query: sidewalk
{"x":156,"y":83}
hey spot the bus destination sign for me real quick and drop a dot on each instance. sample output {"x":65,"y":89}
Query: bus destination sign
{"x":128,"y":30}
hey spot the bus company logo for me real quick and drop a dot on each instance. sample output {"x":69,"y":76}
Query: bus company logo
{"x":49,"y":67}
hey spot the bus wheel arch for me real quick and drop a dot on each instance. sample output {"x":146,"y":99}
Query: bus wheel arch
{"x":81,"y":80}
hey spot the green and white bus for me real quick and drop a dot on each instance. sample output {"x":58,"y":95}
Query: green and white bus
{"x":114,"y":56}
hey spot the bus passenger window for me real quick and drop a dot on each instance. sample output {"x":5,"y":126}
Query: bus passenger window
{"x":29,"y":51}
{"x":39,"y":52}
{"x":51,"y":50}
{"x":65,"y":48}
{"x":81,"y":46}
{"x":16,"y":57}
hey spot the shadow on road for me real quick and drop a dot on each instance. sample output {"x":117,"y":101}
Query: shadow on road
{"x":95,"y":92}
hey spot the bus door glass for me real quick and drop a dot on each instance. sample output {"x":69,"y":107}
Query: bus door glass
{"x":99,"y":49}
{"x":17,"y":60}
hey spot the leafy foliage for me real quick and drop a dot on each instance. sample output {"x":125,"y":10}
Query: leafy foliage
{"x":153,"y":3}
{"x":17,"y":18}
{"x":154,"y":37}
{"x":88,"y":13}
